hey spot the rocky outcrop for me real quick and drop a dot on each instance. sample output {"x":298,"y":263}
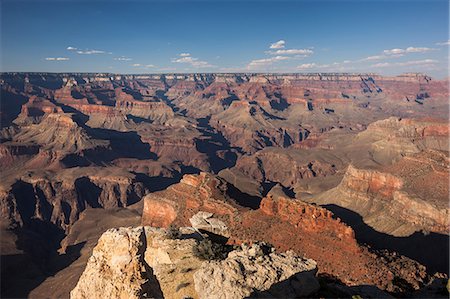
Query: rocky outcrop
{"x":179,"y":203}
{"x":206,"y":222}
{"x":175,"y":142}
{"x":301,"y":214}
{"x":116,"y":268}
{"x":11,"y":153}
{"x":252,"y":272}
{"x":144,"y":262}
{"x":307,"y":229}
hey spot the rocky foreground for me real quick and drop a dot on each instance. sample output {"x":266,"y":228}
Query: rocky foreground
{"x":144,"y":262}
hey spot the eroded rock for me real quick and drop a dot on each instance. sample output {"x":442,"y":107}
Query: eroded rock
{"x":205,"y":221}
{"x":116,"y":267}
{"x":143,"y":262}
{"x":251,"y":272}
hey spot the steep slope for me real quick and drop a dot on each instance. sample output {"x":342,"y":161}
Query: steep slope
{"x":399,"y":199}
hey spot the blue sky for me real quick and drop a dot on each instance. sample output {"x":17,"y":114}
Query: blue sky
{"x":387,"y":37}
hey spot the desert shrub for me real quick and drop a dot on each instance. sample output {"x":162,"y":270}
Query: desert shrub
{"x":173,"y":232}
{"x":208,"y":250}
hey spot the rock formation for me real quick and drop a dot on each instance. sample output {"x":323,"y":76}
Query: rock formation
{"x":115,"y":269}
{"x":307,"y":229}
{"x":402,"y":198}
{"x":252,"y":272}
{"x":144,"y":262}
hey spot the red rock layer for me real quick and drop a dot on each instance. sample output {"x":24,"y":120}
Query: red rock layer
{"x":287,"y":224}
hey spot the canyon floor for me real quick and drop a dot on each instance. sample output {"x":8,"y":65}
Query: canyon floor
{"x":348,"y":173}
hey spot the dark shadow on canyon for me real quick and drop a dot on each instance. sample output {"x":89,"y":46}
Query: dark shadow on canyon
{"x":156,"y":183}
{"x":214,"y":143}
{"x":24,"y":271}
{"x":10,"y":106}
{"x":431,"y":250}
{"x":243,"y":199}
{"x":161,"y":94}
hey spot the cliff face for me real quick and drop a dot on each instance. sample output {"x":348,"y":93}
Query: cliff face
{"x":116,"y":267}
{"x":180,"y":202}
{"x":401,"y":198}
{"x":59,"y":199}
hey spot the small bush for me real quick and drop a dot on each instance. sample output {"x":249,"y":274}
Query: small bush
{"x":173,"y":232}
{"x":208,"y":250}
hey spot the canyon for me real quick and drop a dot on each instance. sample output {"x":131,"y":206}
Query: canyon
{"x":338,"y":182}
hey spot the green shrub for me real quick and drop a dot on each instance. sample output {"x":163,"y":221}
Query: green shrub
{"x":208,"y":250}
{"x":173,"y":232}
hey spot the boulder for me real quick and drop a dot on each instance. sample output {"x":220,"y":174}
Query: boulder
{"x":251,"y":271}
{"x":205,"y":221}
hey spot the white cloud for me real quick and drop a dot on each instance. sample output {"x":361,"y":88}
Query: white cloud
{"x":188,"y":59}
{"x":375,"y":57}
{"x":305,"y":52}
{"x":90,"y":52}
{"x":417,"y":62}
{"x":397,"y":51}
{"x":447,"y":43}
{"x":57,"y":58}
{"x":87,"y":51}
{"x":381,"y":64}
{"x":394,"y":51}
{"x":406,"y":63}
{"x":381,"y":57}
{"x":143,"y":65}
{"x":122,"y":58}
{"x":307,"y":66}
{"x":278,"y":45}
{"x":345,"y":66}
{"x":260,"y":63}
{"x":313,"y":65}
